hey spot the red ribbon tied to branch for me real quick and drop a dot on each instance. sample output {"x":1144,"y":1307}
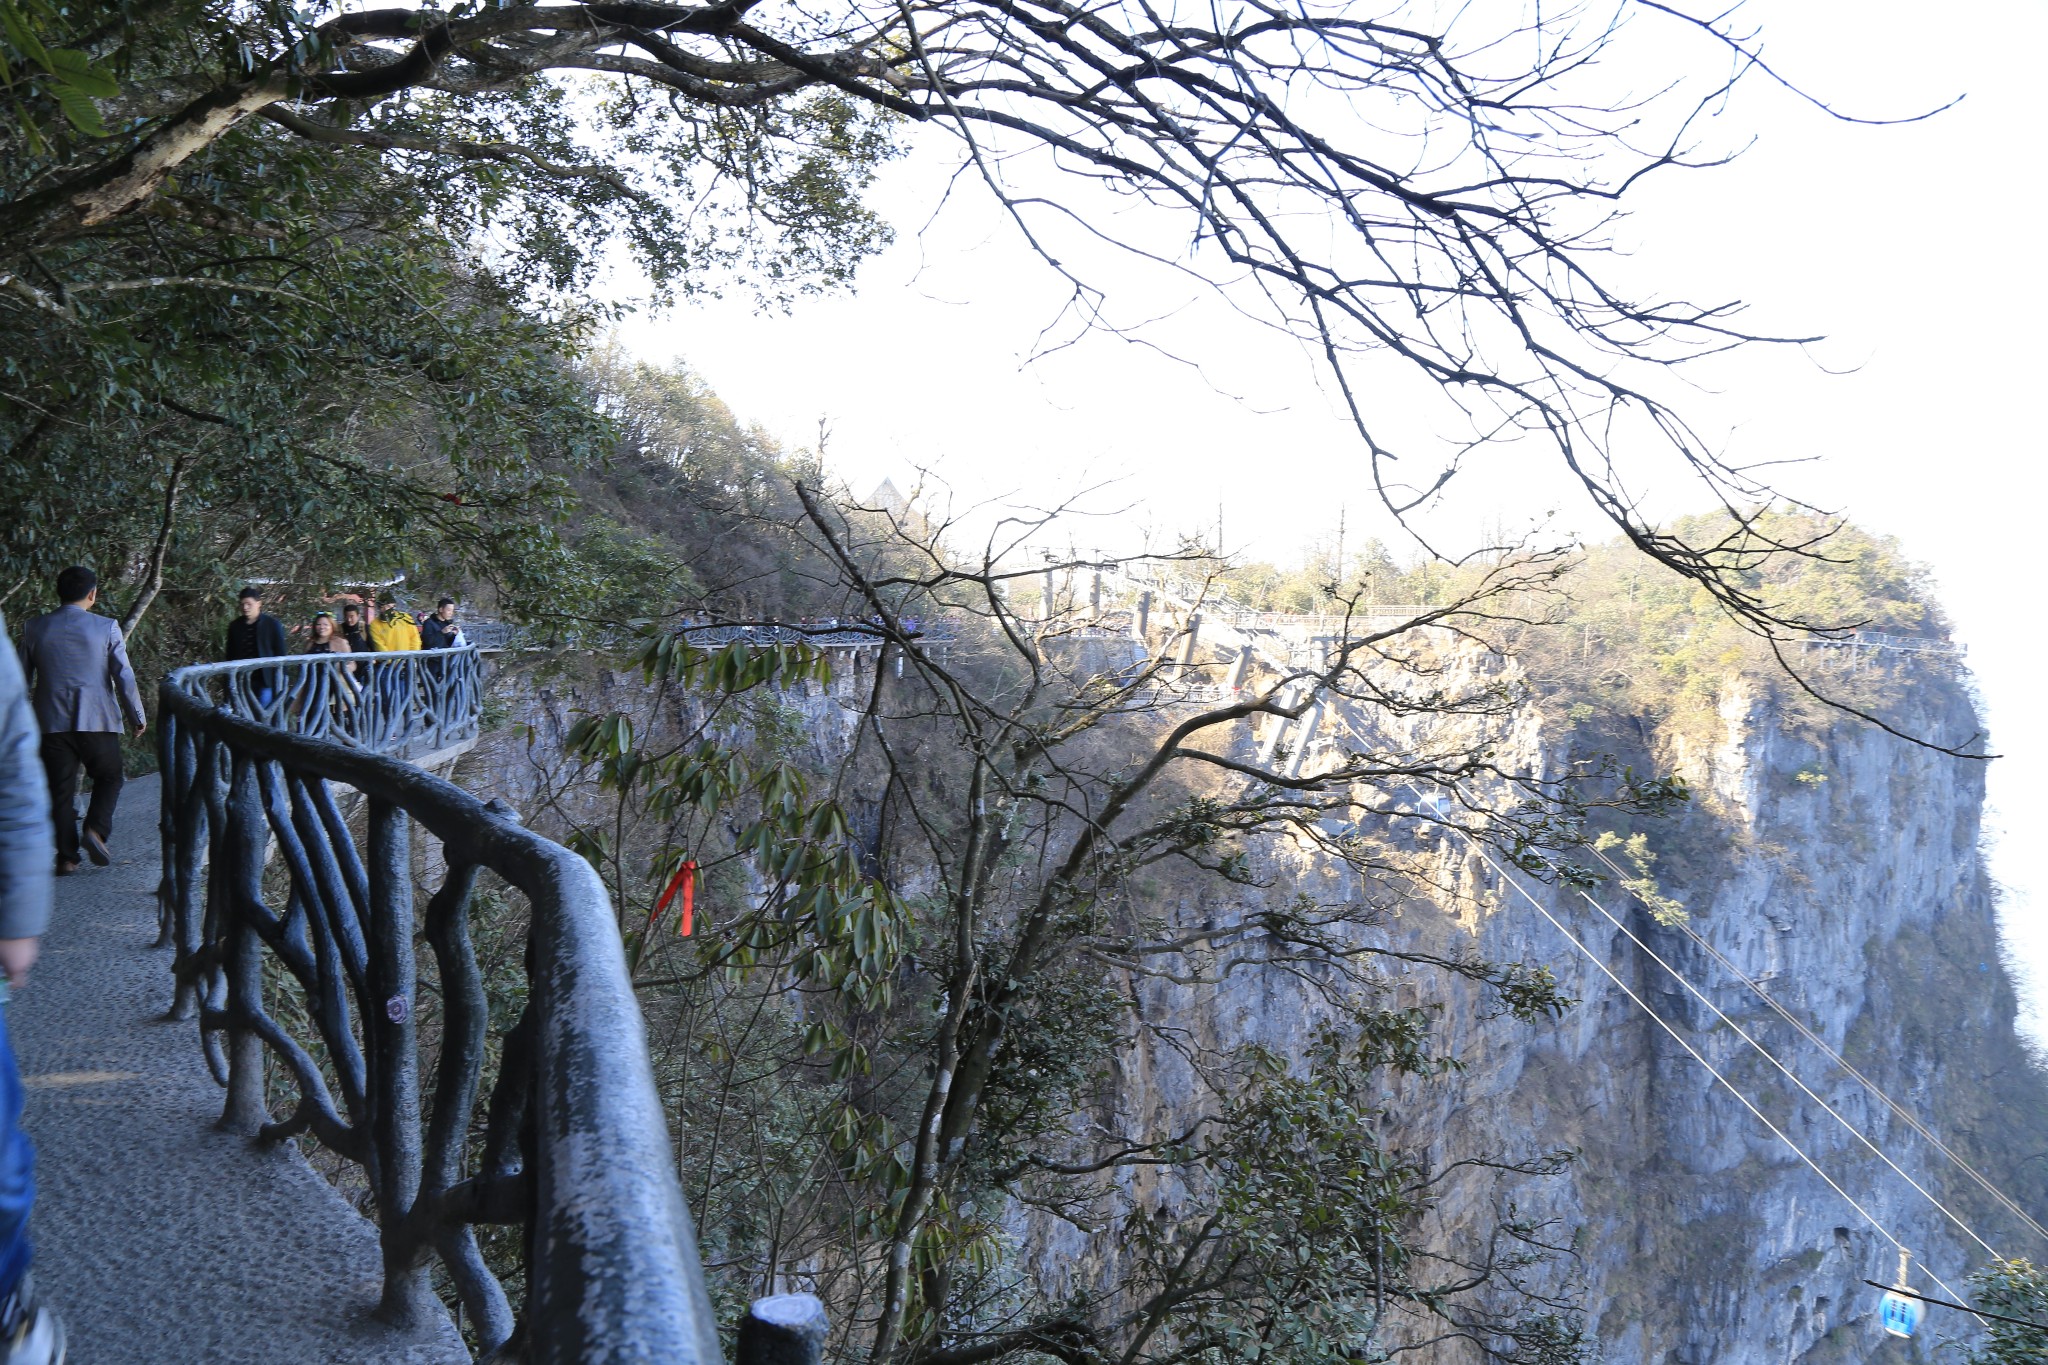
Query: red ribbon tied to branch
{"x":685,"y":881}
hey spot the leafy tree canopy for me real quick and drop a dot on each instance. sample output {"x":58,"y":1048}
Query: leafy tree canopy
{"x":1411,"y":190}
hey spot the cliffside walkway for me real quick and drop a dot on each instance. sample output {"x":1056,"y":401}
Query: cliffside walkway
{"x":265,"y":964}
{"x":158,"y":1236}
{"x":306,"y":996}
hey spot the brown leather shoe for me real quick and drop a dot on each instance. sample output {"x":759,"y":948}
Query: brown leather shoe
{"x":96,"y":847}
{"x":66,"y":866}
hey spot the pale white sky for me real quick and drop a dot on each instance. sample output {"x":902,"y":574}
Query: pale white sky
{"x":1916,"y":250}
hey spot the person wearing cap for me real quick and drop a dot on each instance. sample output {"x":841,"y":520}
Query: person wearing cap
{"x":442,"y":630}
{"x":256,"y":634}
{"x":85,"y":694}
{"x":390,"y":629}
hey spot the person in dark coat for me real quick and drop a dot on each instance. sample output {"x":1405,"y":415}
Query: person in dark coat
{"x":354,"y":630}
{"x":256,"y":634}
{"x":442,"y":630}
{"x":85,"y":695}
{"x":28,"y":1332}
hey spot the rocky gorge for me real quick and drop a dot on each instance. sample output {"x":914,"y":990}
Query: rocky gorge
{"x":1836,"y":867}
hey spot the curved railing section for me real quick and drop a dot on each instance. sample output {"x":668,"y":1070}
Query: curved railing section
{"x":292,"y":908}
{"x":406,"y":704}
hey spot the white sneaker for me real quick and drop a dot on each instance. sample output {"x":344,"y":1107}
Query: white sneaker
{"x":38,"y":1340}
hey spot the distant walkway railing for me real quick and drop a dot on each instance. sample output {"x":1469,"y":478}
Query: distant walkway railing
{"x":1896,"y":644}
{"x":1320,"y":624}
{"x":277,"y":915}
{"x":488,"y":634}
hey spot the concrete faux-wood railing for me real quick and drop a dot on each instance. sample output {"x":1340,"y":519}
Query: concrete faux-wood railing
{"x":566,"y":1138}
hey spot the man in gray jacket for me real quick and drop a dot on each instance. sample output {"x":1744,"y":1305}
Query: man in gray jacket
{"x":83,"y":685}
{"x":29,"y":1335}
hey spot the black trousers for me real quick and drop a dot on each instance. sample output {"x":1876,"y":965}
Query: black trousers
{"x":99,"y":753}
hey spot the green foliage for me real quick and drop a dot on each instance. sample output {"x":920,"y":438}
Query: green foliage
{"x":288,"y":372}
{"x":1635,"y":850}
{"x":821,"y":919}
{"x":1307,"y":1235}
{"x":318,"y":362}
{"x":2016,"y":1289}
{"x":779,"y":1033}
{"x":1319,"y":583}
{"x":1065,"y":1035}
{"x":1622,"y":640}
{"x":695,"y":485}
{"x":35,"y":74}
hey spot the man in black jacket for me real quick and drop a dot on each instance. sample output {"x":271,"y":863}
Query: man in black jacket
{"x":256,"y":634}
{"x":442,"y":630}
{"x":353,"y":630}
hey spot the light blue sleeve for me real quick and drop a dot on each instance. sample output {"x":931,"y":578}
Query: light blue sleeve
{"x":28,"y":849}
{"x":124,"y":682}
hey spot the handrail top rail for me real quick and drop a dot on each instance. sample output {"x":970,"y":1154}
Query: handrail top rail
{"x":177,"y":677}
{"x":444,"y":808}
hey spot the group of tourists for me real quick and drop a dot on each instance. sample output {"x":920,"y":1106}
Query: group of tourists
{"x":365,"y":627}
{"x":66,"y":699}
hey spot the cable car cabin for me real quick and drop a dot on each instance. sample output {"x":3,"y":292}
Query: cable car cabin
{"x":1899,"y":1314}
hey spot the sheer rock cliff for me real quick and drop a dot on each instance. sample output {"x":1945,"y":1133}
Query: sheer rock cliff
{"x":1838,"y":867}
{"x":1841,"y":870}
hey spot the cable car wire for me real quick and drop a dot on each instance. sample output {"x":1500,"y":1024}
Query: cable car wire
{"x":1780,"y":1134}
{"x":1709,"y":1067}
{"x":1787,"y":1072}
{"x":1944,"y":1303}
{"x":1905,"y":1115}
{"x":1777,"y":1132}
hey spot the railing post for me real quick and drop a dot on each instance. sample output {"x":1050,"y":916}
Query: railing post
{"x":245,"y":1111}
{"x":167,"y":828}
{"x":788,"y":1329}
{"x":392,"y":1045}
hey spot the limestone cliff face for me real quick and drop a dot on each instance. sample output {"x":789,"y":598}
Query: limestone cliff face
{"x":1840,"y":869}
{"x":533,"y":699}
{"x":1837,"y":866}
{"x":1834,"y":865}
{"x":1844,"y":874}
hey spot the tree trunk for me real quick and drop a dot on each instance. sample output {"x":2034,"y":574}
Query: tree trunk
{"x":116,"y":187}
{"x":153,"y":580}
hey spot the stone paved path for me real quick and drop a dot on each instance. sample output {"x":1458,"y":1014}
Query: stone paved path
{"x":159,"y":1239}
